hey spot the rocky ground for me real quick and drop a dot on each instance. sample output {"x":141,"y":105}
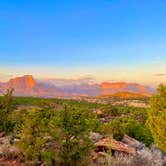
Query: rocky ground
{"x":128,"y":152}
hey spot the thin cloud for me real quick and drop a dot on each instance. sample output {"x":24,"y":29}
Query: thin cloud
{"x":160,"y":74}
{"x":111,"y":81}
{"x":5,"y":76}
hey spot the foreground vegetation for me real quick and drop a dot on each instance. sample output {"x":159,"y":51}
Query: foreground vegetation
{"x":57,"y":132}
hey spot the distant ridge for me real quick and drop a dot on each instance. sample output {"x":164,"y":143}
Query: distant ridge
{"x":113,"y":88}
{"x":124,"y":95}
{"x":28,"y":86}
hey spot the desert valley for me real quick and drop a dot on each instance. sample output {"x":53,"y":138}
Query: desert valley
{"x":82,"y":83}
{"x":110,"y":118}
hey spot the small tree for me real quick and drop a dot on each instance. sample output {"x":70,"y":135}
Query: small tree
{"x":157,"y":117}
{"x":115,"y":129}
{"x":5,"y":110}
{"x":75,"y":144}
{"x":8,"y":100}
{"x":33,"y":135}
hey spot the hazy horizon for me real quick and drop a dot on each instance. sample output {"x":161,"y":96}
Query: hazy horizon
{"x":117,"y":40}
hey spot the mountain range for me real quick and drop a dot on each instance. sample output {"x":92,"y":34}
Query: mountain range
{"x":28,"y":86}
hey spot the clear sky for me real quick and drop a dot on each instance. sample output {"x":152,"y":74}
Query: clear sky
{"x":120,"y":40}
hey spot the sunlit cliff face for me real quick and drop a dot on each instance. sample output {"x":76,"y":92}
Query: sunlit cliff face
{"x":111,"y":88}
{"x":26,"y":82}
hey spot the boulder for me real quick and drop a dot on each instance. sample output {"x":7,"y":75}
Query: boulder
{"x":112,"y":144}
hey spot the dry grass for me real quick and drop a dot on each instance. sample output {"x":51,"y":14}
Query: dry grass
{"x":144,"y":157}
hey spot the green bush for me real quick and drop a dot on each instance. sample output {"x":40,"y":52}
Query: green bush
{"x":32,"y":133}
{"x":121,"y":126}
{"x":49,"y":157}
{"x":6,"y":108}
{"x":114,"y":128}
{"x":74,"y":126}
{"x":157,"y":117}
{"x":139,"y":132}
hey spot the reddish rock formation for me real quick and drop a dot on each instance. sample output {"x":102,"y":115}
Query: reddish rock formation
{"x":113,"y":88}
{"x":27,"y":86}
{"x":26,"y":82}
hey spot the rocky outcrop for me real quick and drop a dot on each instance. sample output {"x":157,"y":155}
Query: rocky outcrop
{"x":27,"y":86}
{"x":112,"y":144}
{"x":113,"y":88}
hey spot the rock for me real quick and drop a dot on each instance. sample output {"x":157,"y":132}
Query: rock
{"x":132,"y":142}
{"x":108,"y":143}
{"x":95,"y":137}
{"x":4,"y":162}
{"x":2,"y":134}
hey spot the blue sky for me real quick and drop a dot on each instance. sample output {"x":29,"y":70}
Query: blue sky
{"x":107,"y":39}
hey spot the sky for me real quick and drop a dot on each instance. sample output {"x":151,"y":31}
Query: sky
{"x":110,"y":40}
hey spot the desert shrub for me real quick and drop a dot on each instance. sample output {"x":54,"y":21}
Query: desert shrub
{"x":144,"y":157}
{"x":114,"y":128}
{"x":49,"y":157}
{"x":120,"y":159}
{"x":139,"y":132}
{"x":121,"y":126}
{"x":149,"y":156}
{"x":110,"y":110}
